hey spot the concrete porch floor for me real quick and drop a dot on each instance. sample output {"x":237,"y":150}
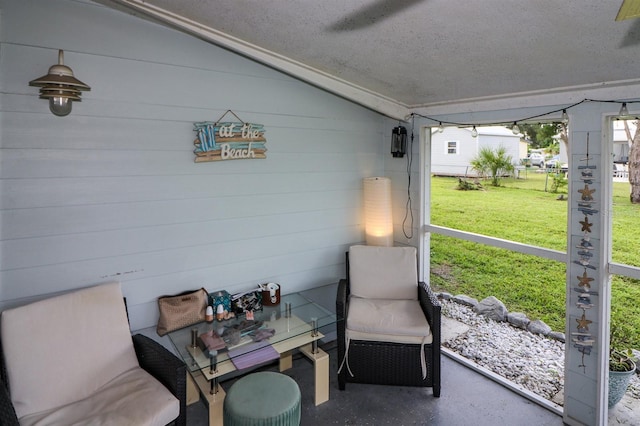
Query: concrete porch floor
{"x":470,"y":395}
{"x":467,"y":398}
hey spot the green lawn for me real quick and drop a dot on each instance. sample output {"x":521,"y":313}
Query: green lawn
{"x":520,"y":210}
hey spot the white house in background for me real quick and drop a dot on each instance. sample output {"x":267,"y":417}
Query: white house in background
{"x":620,"y":141}
{"x":454,"y":148}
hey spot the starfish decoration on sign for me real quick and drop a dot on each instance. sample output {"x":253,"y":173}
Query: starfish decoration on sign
{"x":586,"y":226}
{"x":585,"y":280}
{"x":583,"y":322}
{"x":587,"y":194}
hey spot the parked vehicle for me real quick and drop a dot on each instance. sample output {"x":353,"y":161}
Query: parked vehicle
{"x":537,"y":159}
{"x":555,"y":163}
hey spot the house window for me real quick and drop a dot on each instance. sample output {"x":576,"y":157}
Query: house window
{"x":452,"y":147}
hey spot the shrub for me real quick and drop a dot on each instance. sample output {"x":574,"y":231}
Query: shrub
{"x":559,"y":182}
{"x":465,"y":185}
{"x":493,"y":163}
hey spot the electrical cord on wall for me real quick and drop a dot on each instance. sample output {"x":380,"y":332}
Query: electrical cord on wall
{"x":408,"y":214}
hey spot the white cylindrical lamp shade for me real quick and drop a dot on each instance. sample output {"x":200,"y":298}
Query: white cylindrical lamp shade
{"x":377,"y":211}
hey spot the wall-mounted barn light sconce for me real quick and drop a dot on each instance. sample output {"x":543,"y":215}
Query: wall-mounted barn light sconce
{"x":60,"y":87}
{"x":399,"y":141}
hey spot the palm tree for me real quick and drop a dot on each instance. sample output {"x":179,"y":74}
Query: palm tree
{"x":494,"y":163}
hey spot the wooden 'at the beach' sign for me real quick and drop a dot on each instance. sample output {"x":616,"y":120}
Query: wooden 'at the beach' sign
{"x":228,"y":140}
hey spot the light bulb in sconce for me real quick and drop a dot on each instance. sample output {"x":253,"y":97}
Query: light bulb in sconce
{"x":60,"y":106}
{"x":515,"y":129}
{"x":474,"y":132}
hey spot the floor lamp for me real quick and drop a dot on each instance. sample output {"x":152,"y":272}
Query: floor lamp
{"x":377,"y":211}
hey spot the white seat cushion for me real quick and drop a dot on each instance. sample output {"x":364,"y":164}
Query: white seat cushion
{"x":146,"y":402}
{"x":399,"y":321}
{"x":63,"y":349}
{"x":383,"y":272}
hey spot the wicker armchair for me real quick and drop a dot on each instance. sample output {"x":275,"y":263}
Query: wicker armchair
{"x":58,"y":372}
{"x":167,"y":368}
{"x":368,"y":354}
{"x":153,"y":358}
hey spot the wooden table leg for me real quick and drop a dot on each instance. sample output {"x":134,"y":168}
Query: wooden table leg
{"x":321,"y":368}
{"x":216,"y":404}
{"x":286,"y":361}
{"x":193,"y":394}
{"x":215,"y":401}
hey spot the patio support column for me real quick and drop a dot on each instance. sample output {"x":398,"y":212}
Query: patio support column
{"x":588,"y":301}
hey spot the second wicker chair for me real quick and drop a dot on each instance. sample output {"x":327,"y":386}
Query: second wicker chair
{"x":388,"y":322}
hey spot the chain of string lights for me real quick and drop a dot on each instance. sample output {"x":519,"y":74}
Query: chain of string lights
{"x":622,"y":115}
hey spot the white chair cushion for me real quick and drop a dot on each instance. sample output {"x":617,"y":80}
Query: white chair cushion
{"x":399,"y":321}
{"x":383,"y":272}
{"x":146,"y":402}
{"x":63,"y":349}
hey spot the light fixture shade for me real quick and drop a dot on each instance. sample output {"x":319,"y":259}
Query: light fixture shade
{"x":60,"y":87}
{"x":377,"y":211}
{"x":399,"y":141}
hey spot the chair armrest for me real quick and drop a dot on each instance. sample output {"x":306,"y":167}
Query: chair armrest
{"x":342,"y":306}
{"x":8,"y":415}
{"x":166,"y":368}
{"x":431,"y":308}
{"x":342,"y":300}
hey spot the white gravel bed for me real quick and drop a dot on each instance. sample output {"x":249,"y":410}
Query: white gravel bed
{"x":531,"y":360}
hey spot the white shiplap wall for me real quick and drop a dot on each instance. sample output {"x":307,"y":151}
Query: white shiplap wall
{"x":111,"y":192}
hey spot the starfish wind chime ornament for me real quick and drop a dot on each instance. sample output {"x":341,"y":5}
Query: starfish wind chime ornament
{"x":582,"y":338}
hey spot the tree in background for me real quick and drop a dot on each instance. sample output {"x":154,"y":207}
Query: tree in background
{"x":545,"y":135}
{"x":494,"y":163}
{"x":634,"y":161}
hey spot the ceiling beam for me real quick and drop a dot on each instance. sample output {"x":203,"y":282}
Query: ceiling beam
{"x":509,"y":104}
{"x":323,"y":80}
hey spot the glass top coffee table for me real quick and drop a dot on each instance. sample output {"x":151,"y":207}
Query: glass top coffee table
{"x":212,"y":350}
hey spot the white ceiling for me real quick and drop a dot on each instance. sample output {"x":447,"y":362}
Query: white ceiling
{"x":420,"y":53}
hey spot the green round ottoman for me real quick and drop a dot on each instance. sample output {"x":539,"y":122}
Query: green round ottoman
{"x":263,"y":399}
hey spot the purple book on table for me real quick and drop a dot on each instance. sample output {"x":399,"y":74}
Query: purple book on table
{"x":252,"y":354}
